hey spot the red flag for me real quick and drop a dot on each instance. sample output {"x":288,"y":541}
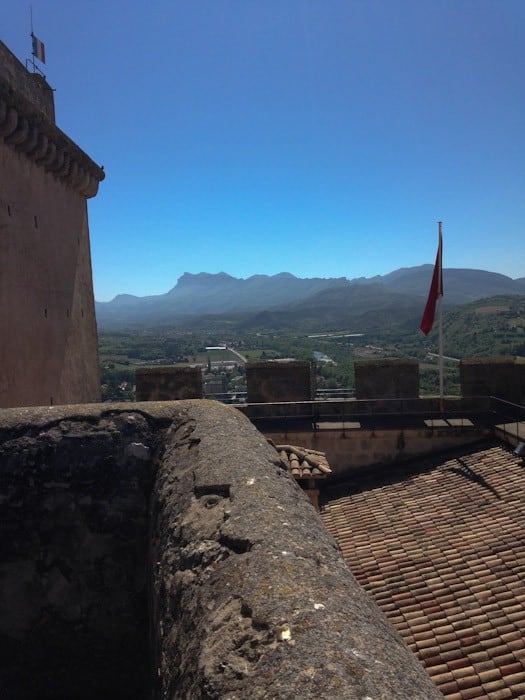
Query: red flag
{"x":436,"y":290}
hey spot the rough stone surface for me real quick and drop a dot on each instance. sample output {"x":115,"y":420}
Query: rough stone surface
{"x":280,"y":381}
{"x":501,"y":376}
{"x":73,"y":577}
{"x":32,"y":86}
{"x":168,"y":383}
{"x":386,"y":379}
{"x":49,"y":349}
{"x":159,"y":550}
{"x":251,"y":595}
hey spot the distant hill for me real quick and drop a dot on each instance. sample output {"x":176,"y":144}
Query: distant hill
{"x":203,"y":293}
{"x":461,"y":285}
{"x":284,"y":300}
{"x":362,"y":307}
{"x":493,"y":326}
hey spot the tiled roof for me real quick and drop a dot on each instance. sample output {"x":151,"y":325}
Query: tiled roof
{"x":304,"y":463}
{"x":441,"y":547}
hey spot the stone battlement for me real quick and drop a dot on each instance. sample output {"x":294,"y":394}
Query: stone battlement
{"x":161,"y":550}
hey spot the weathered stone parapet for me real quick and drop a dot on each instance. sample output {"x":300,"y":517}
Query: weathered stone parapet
{"x":501,"y":376}
{"x":31,"y":130}
{"x":252,"y":596}
{"x":33,"y":86}
{"x":386,"y":379}
{"x":74,"y":492}
{"x":181,"y":509}
{"x":280,"y":381}
{"x":170,"y":383}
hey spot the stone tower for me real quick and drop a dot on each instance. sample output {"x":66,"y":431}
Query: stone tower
{"x":48,"y":333}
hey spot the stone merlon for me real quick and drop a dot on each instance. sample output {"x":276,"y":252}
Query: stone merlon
{"x":161,"y":550}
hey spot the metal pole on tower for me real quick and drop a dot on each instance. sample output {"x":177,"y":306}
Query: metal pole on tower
{"x":32,"y":50}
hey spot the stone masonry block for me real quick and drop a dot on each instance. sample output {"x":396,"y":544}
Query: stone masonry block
{"x":168,"y":383}
{"x":280,"y":381}
{"x":386,"y":379}
{"x":501,"y":376}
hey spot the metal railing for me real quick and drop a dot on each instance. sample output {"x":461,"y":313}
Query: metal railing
{"x":242,"y":396}
{"x":339,"y":406}
{"x":509,"y":419}
{"x":349,"y":414}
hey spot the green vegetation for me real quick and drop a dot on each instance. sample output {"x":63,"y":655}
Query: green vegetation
{"x":493,"y":326}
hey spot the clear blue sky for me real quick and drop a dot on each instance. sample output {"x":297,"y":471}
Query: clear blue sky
{"x":319,"y":137}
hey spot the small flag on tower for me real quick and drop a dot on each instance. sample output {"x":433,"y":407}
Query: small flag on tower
{"x":39,"y":50}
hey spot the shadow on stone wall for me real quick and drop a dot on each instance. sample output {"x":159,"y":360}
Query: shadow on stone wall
{"x":74,"y":608}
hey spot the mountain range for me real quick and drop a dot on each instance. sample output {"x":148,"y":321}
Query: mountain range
{"x":283,"y":300}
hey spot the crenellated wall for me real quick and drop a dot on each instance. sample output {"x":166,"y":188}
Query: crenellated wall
{"x":161,"y":550}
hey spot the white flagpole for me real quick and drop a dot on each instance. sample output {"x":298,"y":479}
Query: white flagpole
{"x":440,"y":322}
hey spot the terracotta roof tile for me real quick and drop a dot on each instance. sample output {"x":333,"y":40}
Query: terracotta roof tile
{"x":470,"y":694}
{"x":303,"y":463}
{"x":492,"y":688}
{"x":503,"y":659}
{"x":440,"y":546}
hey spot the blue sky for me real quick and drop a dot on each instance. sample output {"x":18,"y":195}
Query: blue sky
{"x":319,"y":137}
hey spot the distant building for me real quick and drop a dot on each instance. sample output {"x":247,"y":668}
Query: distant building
{"x":48,"y":346}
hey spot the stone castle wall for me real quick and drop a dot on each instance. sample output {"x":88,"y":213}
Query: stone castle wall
{"x":280,"y":381}
{"x":161,"y":550}
{"x":500,"y":376}
{"x":73,"y":609}
{"x":31,"y":86}
{"x":49,"y":352}
{"x":386,"y":379}
{"x":168,"y":383}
